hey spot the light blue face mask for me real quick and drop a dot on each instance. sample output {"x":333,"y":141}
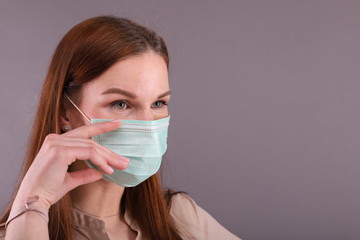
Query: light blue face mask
{"x":143,"y":142}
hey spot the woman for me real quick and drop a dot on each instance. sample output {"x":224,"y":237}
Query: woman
{"x":104,"y":68}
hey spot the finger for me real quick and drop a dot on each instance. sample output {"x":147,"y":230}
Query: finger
{"x":112,"y":158}
{"x":88,"y":131}
{"x":71,"y":141}
{"x":81,"y":177}
{"x":92,"y":154}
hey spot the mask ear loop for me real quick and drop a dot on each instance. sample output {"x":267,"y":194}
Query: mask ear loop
{"x":77,"y":108}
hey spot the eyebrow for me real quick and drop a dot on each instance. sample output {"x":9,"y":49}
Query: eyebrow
{"x":129,"y":94}
{"x":119,"y":91}
{"x":164,"y":94}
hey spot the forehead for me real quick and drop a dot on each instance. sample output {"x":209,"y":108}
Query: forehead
{"x":146,"y":72}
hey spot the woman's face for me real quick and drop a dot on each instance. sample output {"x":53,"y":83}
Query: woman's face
{"x":134,"y":88}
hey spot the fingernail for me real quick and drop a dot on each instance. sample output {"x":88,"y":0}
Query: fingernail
{"x":124,"y":160}
{"x":116,"y":121}
{"x":111,"y":170}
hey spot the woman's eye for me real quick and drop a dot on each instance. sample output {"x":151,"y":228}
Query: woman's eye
{"x":120,"y":104}
{"x":159,"y":104}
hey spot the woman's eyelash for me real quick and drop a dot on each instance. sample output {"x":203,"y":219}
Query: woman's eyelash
{"x":162,"y":102}
{"x":124,"y":104}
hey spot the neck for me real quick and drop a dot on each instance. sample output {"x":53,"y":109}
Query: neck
{"x":100,"y":198}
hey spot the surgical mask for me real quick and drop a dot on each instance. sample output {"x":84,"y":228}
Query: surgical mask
{"x":143,"y":142}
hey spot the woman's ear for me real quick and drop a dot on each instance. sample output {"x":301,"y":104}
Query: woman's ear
{"x":65,"y":117}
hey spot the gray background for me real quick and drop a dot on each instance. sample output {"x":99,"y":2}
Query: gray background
{"x":265,"y":108}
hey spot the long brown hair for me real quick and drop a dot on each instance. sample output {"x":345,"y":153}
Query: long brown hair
{"x":84,"y":53}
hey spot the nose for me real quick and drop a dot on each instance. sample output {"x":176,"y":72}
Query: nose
{"x":145,"y":115}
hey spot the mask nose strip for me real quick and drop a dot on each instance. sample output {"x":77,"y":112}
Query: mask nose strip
{"x":77,"y":108}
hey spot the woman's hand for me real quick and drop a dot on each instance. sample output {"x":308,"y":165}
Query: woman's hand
{"x":48,"y":176}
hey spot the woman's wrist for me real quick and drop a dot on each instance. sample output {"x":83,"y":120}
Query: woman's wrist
{"x":30,"y":203}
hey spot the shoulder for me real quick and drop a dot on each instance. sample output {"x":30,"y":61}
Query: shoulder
{"x":184,"y":209}
{"x":193,"y":222}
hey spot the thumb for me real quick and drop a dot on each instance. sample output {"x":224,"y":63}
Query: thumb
{"x":81,"y":177}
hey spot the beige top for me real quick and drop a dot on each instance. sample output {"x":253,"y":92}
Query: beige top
{"x":191,"y":221}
